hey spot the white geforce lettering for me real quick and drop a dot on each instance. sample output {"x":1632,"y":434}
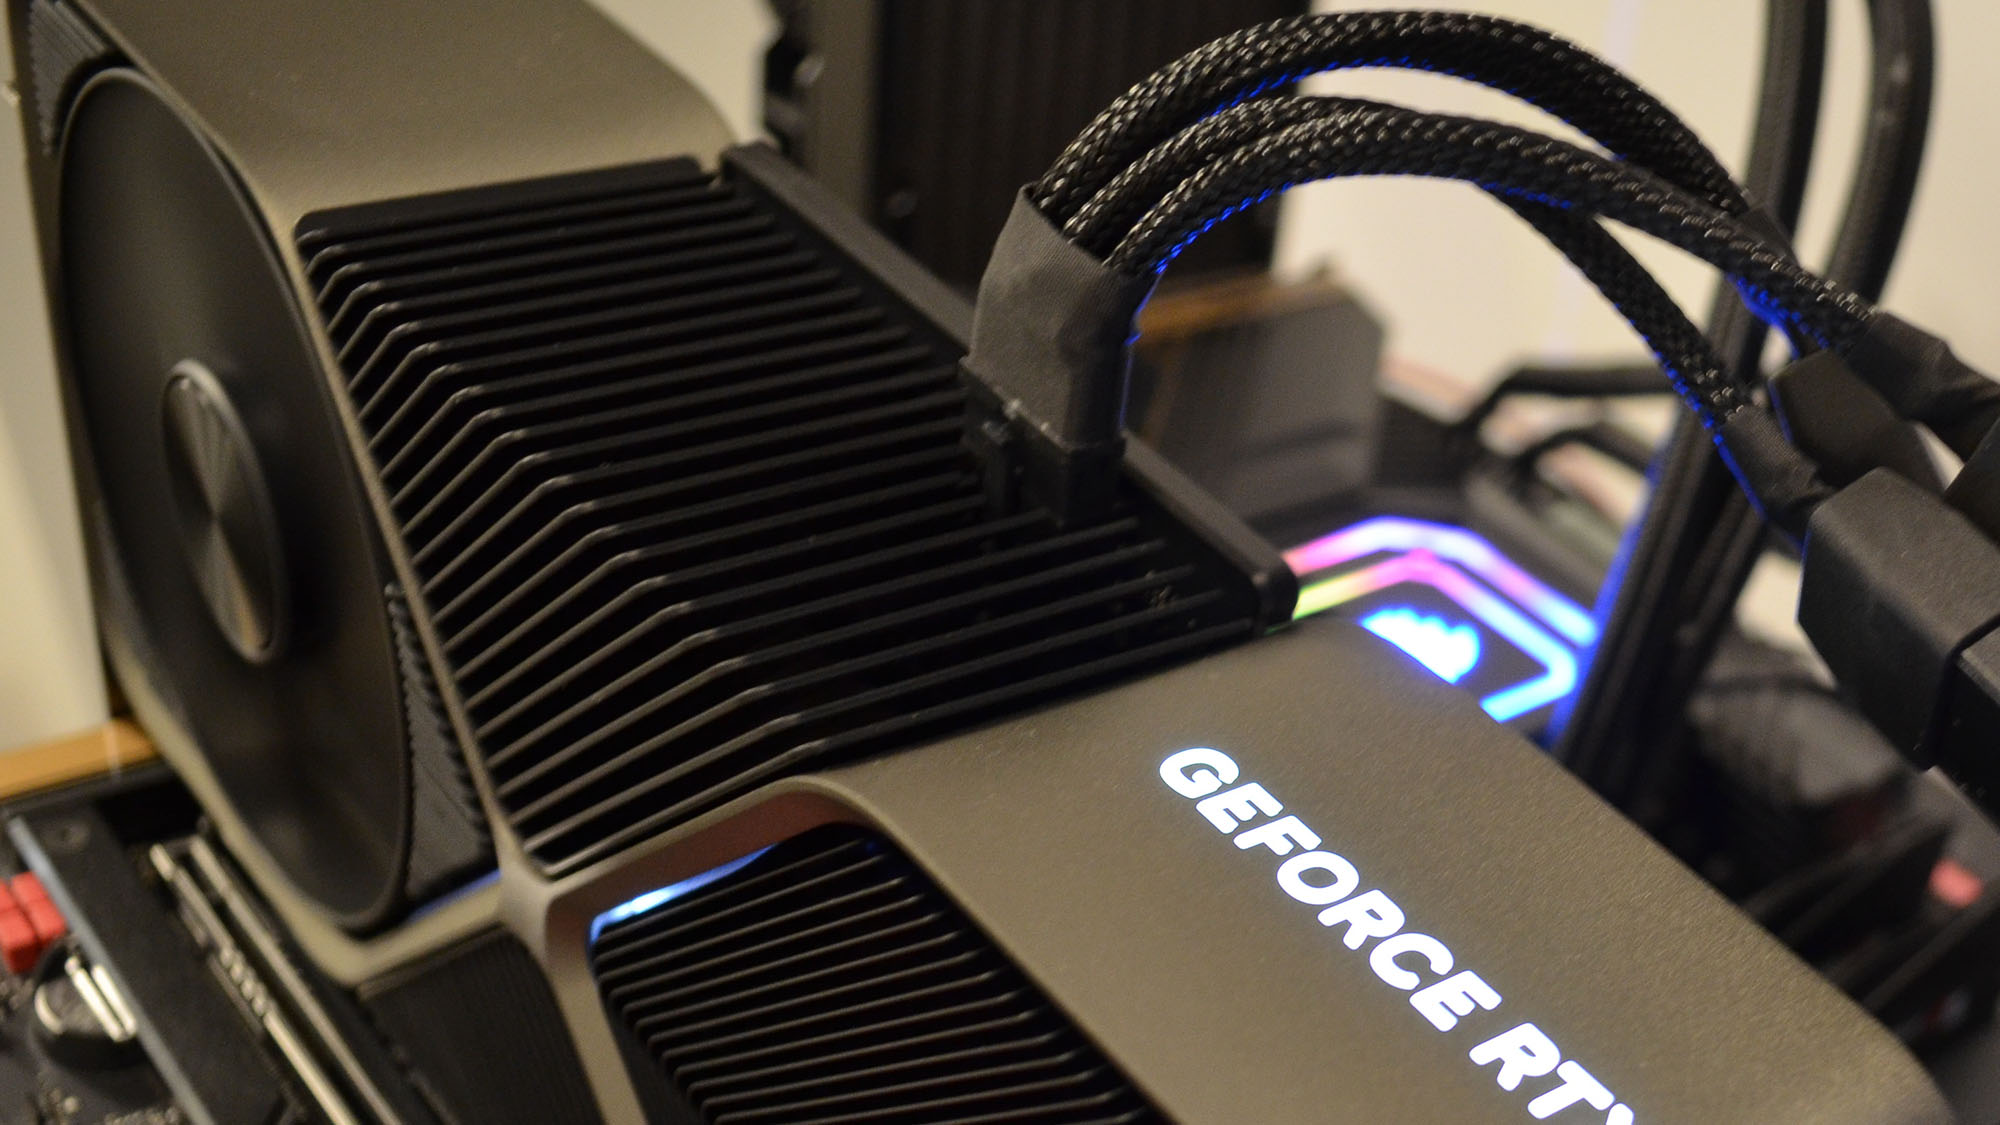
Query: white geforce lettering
{"x":1383,"y":960}
{"x":1319,"y":889}
{"x":1522,"y":1052}
{"x":1369,"y":915}
{"x":1197,"y":772}
{"x":1229,"y":809}
{"x":1444,"y":1002}
{"x":1577,"y":1086}
{"x":1250,"y":816}
{"x":1279,"y":836}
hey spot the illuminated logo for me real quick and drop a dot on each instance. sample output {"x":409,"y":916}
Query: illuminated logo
{"x":1443,"y":992}
{"x":1448,"y":650}
{"x":1401,"y":560}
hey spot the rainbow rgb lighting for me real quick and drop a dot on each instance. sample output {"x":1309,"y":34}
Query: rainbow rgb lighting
{"x":1544,"y":625}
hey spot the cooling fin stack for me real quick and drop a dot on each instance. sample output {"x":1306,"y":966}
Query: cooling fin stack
{"x":827,"y":981}
{"x":690,"y":505}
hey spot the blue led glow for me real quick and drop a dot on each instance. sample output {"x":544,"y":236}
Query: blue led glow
{"x":653,"y":900}
{"x":1448,"y":649}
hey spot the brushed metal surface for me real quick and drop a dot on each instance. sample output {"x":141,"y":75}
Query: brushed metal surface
{"x":1226,"y":1000}
{"x":377,"y":99}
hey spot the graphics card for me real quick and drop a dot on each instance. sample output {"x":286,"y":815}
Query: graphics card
{"x":553,"y":547}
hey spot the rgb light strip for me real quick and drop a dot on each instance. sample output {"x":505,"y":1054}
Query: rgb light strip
{"x":1466,"y":569}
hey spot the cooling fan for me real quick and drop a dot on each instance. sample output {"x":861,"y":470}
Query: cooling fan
{"x":251,"y":603}
{"x":233,"y":512}
{"x":548,"y":542}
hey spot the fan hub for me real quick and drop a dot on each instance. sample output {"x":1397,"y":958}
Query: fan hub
{"x":223,"y":509}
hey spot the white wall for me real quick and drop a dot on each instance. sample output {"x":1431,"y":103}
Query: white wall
{"x":1468,"y":290}
{"x":50,"y":682}
{"x":719,"y":44}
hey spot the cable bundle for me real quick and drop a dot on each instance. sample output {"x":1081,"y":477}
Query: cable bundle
{"x":1207,"y":136}
{"x":1901,"y":585}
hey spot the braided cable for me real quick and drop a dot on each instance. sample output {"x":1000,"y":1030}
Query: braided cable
{"x":1529,"y":63}
{"x":1502,"y":159}
{"x":1684,"y":351}
{"x":1688,"y":554}
{"x":1107,"y":216}
{"x":1681,"y":347}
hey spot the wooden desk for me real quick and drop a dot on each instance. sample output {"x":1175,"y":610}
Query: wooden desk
{"x":114,"y":746}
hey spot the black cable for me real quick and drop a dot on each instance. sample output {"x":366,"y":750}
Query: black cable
{"x":1783,"y":482}
{"x":1870,"y":232}
{"x":1050,"y":368}
{"x":1781,"y":150}
{"x":1529,"y":63}
{"x":1652,"y":608}
{"x":1892,"y":150}
{"x":1629,"y":287}
{"x":1566,"y":81}
{"x":1665,"y":663}
{"x":1541,"y":177}
{"x":1109,"y":215}
{"x":1915,"y":371}
{"x":1102,"y":220}
{"x":1518,"y":162}
{"x":1683,"y":352}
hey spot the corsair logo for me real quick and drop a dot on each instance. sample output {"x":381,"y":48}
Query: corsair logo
{"x":1441,"y":991}
{"x":1448,"y":650}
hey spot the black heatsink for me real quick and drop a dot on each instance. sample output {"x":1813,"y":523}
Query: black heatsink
{"x":687,"y":496}
{"x":828,"y":982}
